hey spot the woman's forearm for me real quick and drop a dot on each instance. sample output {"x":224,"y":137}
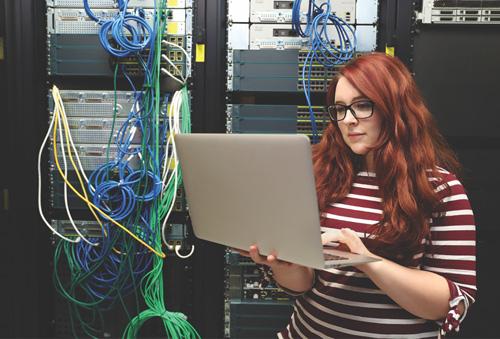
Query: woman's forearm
{"x":293,"y":277}
{"x":422,"y":293}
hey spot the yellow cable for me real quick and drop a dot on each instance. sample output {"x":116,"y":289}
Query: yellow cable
{"x":59,"y":110}
{"x":160,"y":254}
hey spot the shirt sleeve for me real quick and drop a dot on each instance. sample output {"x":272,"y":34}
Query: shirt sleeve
{"x":451,"y":251}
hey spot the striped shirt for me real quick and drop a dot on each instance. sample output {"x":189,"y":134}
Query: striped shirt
{"x":345,"y":302}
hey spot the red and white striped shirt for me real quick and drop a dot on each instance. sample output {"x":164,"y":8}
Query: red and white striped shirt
{"x":345,"y":302}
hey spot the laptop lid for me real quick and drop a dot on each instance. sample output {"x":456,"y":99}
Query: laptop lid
{"x":245,"y":189}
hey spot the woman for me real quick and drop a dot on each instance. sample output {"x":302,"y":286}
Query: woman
{"x":384,"y":176}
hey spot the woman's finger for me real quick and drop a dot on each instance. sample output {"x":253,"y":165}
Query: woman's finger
{"x":332,"y":235}
{"x":255,"y":255}
{"x":241,"y":252}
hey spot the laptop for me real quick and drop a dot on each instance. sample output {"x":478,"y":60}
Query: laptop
{"x":245,"y":189}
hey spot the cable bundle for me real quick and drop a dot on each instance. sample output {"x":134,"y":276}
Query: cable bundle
{"x":131,"y":196}
{"x":321,"y":49}
{"x":129,"y":33}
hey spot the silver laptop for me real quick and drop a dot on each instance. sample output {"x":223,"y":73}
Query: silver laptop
{"x":245,"y":189}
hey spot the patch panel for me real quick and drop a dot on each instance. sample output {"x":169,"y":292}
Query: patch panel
{"x":90,"y":229}
{"x":113,"y":3}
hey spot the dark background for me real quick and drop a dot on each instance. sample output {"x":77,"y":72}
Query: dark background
{"x":457,"y":68}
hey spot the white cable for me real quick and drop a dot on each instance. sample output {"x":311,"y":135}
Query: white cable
{"x":40,"y":210}
{"x":173,"y":118}
{"x":188,"y":58}
{"x":167,"y":59}
{"x":188,"y":63}
{"x":178,"y":247}
{"x":164,"y":70}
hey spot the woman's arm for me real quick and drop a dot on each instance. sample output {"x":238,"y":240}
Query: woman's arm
{"x":424,"y":294}
{"x":292,"y":277}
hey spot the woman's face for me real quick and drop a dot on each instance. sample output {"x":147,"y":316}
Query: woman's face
{"x":361,"y":135}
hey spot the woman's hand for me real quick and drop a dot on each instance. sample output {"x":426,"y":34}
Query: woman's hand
{"x":296,"y":279}
{"x":270,"y":260}
{"x":347,"y":237}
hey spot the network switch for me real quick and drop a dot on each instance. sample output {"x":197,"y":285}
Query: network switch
{"x":265,"y":70}
{"x":83,"y":55}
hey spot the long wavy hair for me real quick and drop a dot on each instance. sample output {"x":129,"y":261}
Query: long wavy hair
{"x":408,"y":150}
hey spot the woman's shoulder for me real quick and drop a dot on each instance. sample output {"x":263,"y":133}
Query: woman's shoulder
{"x":445,"y":182}
{"x":441,"y":175}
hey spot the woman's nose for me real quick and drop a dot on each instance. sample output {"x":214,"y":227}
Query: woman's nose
{"x":350,"y":118}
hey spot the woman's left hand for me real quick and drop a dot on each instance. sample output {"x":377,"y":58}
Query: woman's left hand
{"x":349,"y":238}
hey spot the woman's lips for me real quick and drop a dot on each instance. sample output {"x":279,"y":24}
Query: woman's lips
{"x":355,"y":136}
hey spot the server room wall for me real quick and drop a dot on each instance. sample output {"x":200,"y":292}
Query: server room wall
{"x":25,"y":282}
{"x":455,"y":66}
{"x":457,"y":70}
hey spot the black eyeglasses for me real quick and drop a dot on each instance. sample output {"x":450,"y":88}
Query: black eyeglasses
{"x":361,"y":109}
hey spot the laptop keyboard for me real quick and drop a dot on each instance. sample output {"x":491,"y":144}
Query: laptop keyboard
{"x":329,"y":257}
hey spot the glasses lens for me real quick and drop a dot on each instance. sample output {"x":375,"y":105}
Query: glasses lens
{"x":363,"y":109}
{"x":337,"y":112}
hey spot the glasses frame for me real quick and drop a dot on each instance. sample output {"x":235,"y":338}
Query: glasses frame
{"x":350,"y":109}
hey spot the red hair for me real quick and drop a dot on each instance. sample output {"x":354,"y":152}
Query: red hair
{"x":408,"y":151}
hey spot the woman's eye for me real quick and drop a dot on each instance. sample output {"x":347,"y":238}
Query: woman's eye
{"x":363,"y":105}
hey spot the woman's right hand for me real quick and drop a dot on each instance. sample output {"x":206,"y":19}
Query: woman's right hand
{"x":296,"y":279}
{"x":270,"y":260}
